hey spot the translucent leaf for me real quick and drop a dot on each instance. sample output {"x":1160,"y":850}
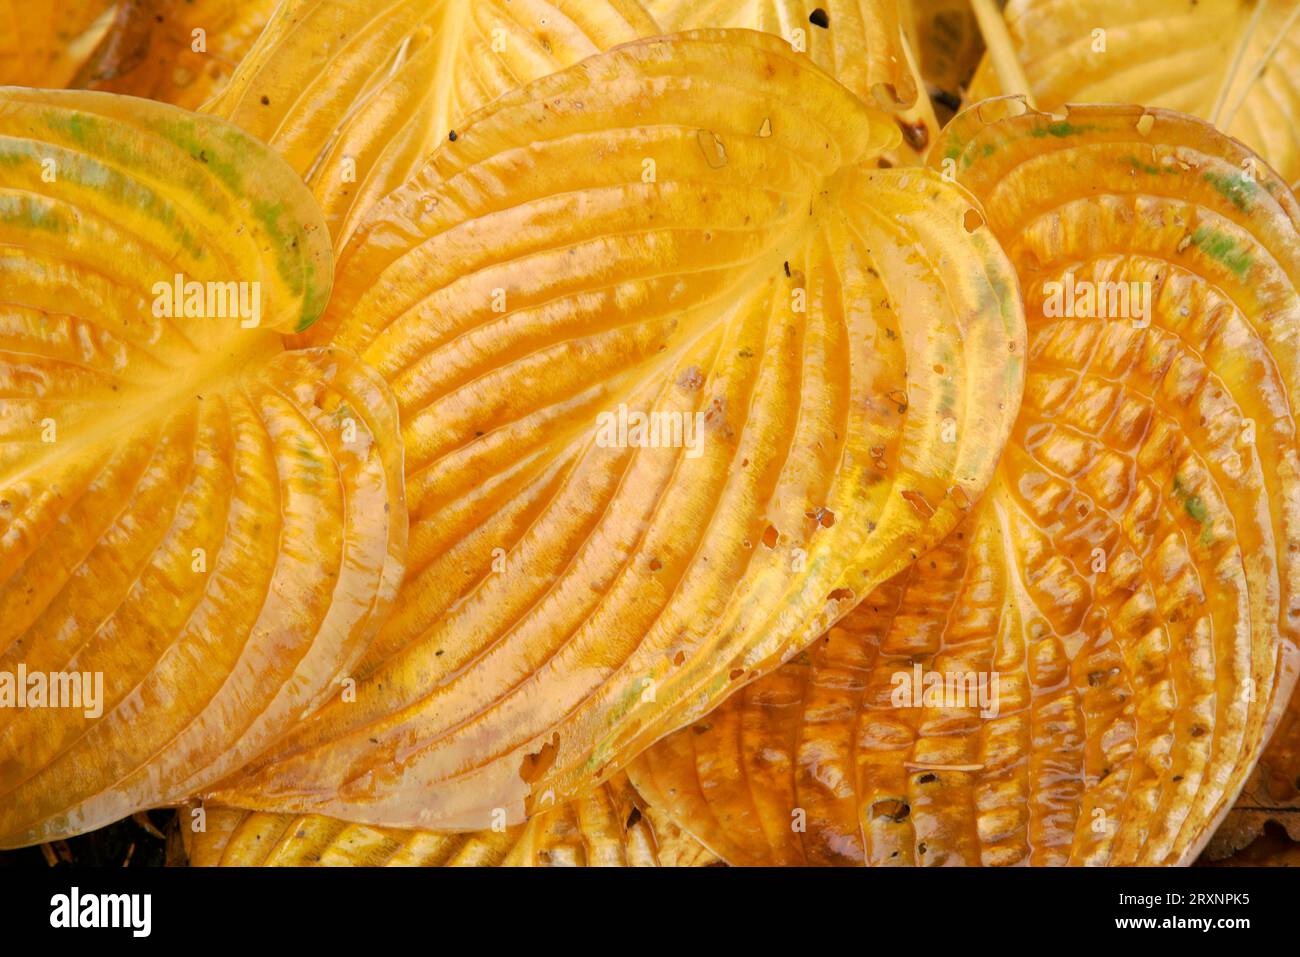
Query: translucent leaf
{"x":682,"y":228}
{"x":860,"y":42}
{"x":610,"y":827}
{"x":1166,"y":53}
{"x":200,"y":527}
{"x":1125,"y":595}
{"x":356,"y":95}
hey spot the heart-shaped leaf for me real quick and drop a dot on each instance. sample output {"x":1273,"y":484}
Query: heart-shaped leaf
{"x":610,"y":827}
{"x":680,"y":380}
{"x":1087,"y":670}
{"x":356,"y":95}
{"x":198,"y":531}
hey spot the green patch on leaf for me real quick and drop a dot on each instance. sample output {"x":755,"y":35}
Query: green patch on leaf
{"x":1236,"y":188}
{"x":1060,"y":129}
{"x":1223,"y":249}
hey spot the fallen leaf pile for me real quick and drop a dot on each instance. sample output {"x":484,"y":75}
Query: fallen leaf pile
{"x":643,"y":433}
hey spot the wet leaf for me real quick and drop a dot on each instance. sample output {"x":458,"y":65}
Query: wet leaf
{"x":1125,"y":594}
{"x":356,"y":95}
{"x":1165,"y":53}
{"x":201,"y":527}
{"x":610,"y":827}
{"x":683,"y":227}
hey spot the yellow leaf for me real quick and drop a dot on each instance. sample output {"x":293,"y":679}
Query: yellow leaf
{"x":198,"y":531}
{"x":355,"y":95}
{"x":1086,"y":671}
{"x":682,"y":230}
{"x":610,"y":827}
{"x":1166,"y":53}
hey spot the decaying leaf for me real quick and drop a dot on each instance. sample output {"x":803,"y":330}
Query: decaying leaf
{"x":198,"y":531}
{"x":45,"y":44}
{"x":610,"y":827}
{"x":1271,"y":794}
{"x":682,"y":230}
{"x":356,"y":95}
{"x":176,"y":51}
{"x":1272,"y":848}
{"x":1166,"y":53}
{"x":1086,"y":671}
{"x":947,"y":41}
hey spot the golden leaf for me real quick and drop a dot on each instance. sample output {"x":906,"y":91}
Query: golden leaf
{"x":682,"y":229}
{"x":356,"y":95}
{"x":1086,"y":671}
{"x":610,"y":827}
{"x":198,"y":531}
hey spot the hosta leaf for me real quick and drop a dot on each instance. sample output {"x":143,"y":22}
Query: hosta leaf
{"x":210,"y":525}
{"x":45,"y":44}
{"x":177,"y":51}
{"x":682,"y":227}
{"x":1130,"y":577}
{"x":610,"y":827}
{"x":356,"y":95}
{"x":1167,"y":53}
{"x":860,"y":42}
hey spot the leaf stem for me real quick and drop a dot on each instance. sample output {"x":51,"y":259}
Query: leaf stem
{"x":1243,"y":43}
{"x":1011,"y":75}
{"x":1260,"y":67}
